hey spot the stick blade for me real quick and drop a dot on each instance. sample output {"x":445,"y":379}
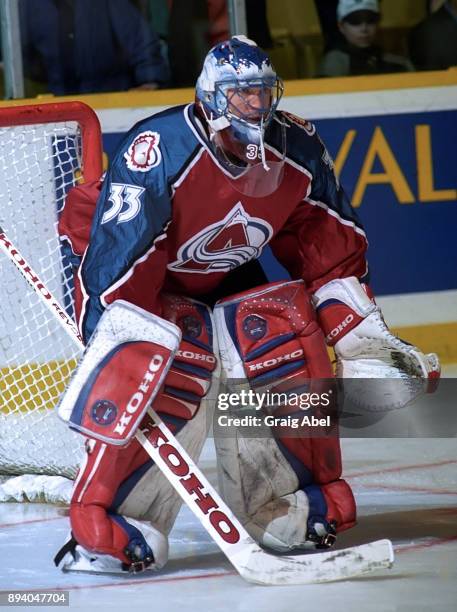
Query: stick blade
{"x":260,"y":567}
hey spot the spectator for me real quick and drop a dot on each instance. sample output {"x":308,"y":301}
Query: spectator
{"x":85,"y":46}
{"x":358,"y":53}
{"x":433,"y":42}
{"x":326,"y":11}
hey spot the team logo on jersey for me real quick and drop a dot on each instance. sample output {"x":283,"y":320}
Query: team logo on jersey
{"x":309,"y":127}
{"x":144,"y":153}
{"x":103,"y":412}
{"x":225,"y":245}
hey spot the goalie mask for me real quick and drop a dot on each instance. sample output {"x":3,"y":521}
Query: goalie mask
{"x":239,"y":91}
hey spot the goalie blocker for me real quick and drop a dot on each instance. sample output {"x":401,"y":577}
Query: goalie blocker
{"x":134,"y":358}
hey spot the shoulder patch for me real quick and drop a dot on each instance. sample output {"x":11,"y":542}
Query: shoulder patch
{"x":328,"y":161}
{"x":144,"y":153}
{"x":307,"y":126}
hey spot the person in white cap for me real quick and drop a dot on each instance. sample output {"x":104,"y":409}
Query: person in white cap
{"x":358,"y":53}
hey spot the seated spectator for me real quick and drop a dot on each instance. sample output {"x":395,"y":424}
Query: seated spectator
{"x":433,"y":42}
{"x":86,"y":46}
{"x":358,"y":52}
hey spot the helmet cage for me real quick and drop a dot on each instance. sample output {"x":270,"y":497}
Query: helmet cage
{"x":239,"y":92}
{"x":232,"y":99}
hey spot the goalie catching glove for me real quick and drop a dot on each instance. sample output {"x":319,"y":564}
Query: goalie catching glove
{"x":365,"y":348}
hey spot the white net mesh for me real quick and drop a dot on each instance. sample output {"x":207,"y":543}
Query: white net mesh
{"x":38,"y":163}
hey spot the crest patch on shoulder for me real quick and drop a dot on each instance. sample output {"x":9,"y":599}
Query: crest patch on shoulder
{"x":309,"y":127}
{"x":144,"y":153}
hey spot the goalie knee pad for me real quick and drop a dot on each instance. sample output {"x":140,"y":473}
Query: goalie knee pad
{"x":270,"y":334}
{"x":280,"y":485}
{"x":120,"y":373}
{"x":194,"y":368}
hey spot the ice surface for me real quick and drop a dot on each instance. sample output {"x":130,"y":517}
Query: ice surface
{"x":405,"y":491}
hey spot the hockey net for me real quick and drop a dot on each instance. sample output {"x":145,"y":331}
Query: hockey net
{"x":44,"y":150}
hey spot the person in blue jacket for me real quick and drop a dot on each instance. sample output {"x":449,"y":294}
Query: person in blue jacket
{"x":88,"y":46}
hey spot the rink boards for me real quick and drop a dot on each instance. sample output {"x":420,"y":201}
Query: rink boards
{"x":393,"y":142}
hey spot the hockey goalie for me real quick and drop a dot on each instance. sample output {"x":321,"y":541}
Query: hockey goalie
{"x":171,"y":299}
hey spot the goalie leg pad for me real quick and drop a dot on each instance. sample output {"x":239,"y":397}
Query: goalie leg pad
{"x":118,"y":483}
{"x":270,"y":336}
{"x":189,"y":393}
{"x":279,"y":484}
{"x":264,"y":492}
{"x":95,"y":524}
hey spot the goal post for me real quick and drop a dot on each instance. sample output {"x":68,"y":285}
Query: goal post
{"x":45,"y":149}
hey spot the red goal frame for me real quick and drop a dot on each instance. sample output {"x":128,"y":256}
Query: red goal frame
{"x":81,"y":113}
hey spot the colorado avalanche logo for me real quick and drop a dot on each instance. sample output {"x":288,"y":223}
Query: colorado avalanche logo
{"x":225,"y":245}
{"x":103,"y":412}
{"x":144,"y":153}
{"x":254,"y":327}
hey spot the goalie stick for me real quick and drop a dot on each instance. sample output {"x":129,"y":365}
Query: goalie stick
{"x":249,"y":559}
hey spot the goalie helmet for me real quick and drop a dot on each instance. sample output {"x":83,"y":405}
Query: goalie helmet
{"x":239,"y":91}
